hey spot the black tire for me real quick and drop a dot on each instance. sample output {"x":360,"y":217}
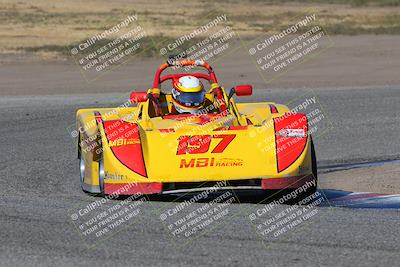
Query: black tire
{"x":314,"y":164}
{"x":82,"y":165}
{"x":311,"y":190}
{"x":276,"y":194}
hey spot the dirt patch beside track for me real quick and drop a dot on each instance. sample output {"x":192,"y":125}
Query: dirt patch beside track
{"x":382,"y":179}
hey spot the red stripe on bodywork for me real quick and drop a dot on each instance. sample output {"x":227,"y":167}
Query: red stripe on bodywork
{"x":167,"y":130}
{"x":286,"y":182}
{"x":239,"y":127}
{"x":132,"y":188}
{"x":289,"y":149}
{"x":98,"y":118}
{"x":273,"y":109}
{"x":226,"y":128}
{"x":130,"y":152}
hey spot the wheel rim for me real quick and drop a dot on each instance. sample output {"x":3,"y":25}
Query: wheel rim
{"x":82,"y":168}
{"x":101,"y":173}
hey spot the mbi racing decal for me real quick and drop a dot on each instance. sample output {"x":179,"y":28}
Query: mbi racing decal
{"x":210,"y":162}
{"x":123,"y":142}
{"x":199,"y":144}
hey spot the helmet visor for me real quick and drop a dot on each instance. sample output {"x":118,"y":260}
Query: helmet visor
{"x":189,"y":99}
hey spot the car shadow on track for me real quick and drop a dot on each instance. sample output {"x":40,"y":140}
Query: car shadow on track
{"x":240,"y":196}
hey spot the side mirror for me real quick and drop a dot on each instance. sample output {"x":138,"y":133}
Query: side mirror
{"x":241,"y":90}
{"x":138,"y":97}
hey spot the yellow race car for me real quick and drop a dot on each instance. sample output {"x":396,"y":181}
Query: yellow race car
{"x":149,"y":149}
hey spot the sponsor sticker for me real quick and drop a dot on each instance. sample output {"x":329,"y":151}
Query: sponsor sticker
{"x":292,"y":133}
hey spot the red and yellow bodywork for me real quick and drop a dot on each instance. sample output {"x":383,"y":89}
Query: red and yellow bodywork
{"x":134,"y":150}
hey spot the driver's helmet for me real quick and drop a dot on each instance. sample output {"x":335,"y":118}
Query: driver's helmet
{"x":188,"y":94}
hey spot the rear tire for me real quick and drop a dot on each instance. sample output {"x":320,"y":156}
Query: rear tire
{"x":311,"y":190}
{"x":276,"y":194}
{"x":314,"y":164}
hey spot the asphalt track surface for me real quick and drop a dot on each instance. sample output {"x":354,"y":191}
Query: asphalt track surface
{"x":40,"y":186}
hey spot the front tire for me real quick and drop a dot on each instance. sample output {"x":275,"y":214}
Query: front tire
{"x":82,"y":167}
